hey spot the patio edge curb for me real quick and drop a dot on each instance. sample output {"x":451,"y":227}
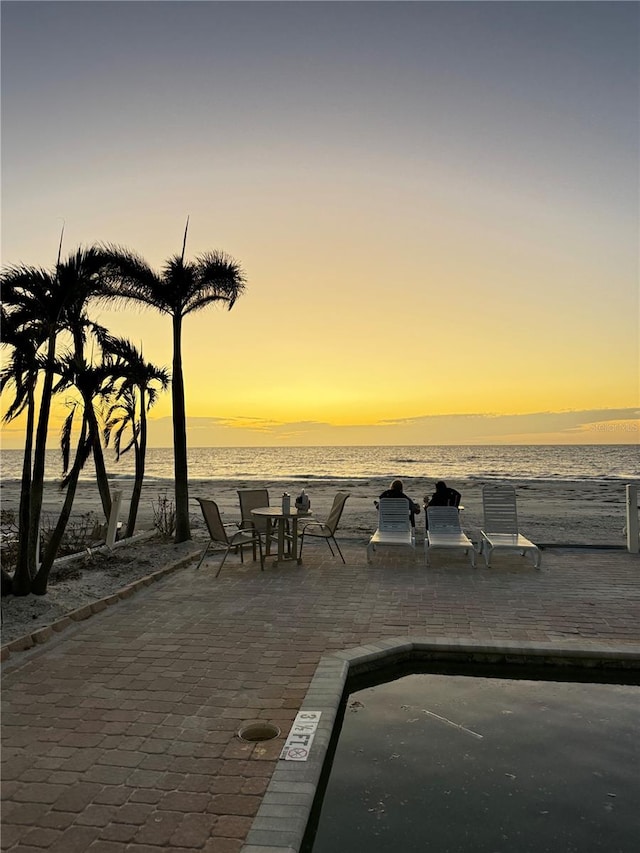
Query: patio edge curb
{"x":44,"y":634}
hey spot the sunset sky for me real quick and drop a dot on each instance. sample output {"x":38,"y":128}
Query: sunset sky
{"x":436,"y":206}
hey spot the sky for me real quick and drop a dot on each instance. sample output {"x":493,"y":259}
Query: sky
{"x":436,"y":206}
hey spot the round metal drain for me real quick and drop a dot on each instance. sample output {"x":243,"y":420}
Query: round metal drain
{"x":258,"y":731}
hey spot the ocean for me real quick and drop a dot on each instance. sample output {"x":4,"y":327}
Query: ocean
{"x":324,"y":464}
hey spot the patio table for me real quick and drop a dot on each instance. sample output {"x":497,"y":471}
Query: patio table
{"x":275,"y":513}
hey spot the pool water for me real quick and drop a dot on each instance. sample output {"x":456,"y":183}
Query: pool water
{"x":464,"y":764}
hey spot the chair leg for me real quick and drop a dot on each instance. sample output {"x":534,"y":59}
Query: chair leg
{"x":222,"y":563}
{"x":260,"y":549}
{"x":301,"y":547}
{"x":328,"y":541}
{"x":204,"y":554}
{"x":339,"y":551}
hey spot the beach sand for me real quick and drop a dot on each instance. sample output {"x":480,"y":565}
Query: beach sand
{"x":562,"y":512}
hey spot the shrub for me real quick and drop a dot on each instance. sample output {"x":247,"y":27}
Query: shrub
{"x":164,"y":516}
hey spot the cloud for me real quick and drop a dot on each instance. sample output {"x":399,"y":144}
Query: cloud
{"x":587,"y":426}
{"x":584,"y":426}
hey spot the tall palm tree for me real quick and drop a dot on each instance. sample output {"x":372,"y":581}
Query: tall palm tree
{"x":127,"y":416}
{"x":181,"y":288}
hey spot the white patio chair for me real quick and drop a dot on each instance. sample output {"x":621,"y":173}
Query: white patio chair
{"x":444,"y":531}
{"x":229,"y":539}
{"x":500,"y":528}
{"x":394,"y":526}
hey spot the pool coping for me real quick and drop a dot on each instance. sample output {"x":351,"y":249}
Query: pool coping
{"x":281,"y":821}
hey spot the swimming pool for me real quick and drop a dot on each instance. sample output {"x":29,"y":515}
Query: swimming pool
{"x":461,"y":763}
{"x":286,"y":816}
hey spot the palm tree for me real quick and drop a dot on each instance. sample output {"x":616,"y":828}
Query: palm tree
{"x":80,"y":277}
{"x":127,"y":416}
{"x":21,"y":371}
{"x":91,"y":382}
{"x":33,"y":306}
{"x":48,"y":303}
{"x":181,"y":288}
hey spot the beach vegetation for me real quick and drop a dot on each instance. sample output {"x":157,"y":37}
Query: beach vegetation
{"x":179,"y":289}
{"x":164,"y":516}
{"x":82,"y":533}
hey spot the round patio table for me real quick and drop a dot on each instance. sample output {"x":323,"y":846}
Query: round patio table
{"x":275,"y":513}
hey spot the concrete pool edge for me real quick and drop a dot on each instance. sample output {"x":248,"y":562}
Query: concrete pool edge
{"x":281,"y":821}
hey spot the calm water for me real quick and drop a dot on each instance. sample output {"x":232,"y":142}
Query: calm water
{"x":590,"y":462}
{"x":457,"y":764}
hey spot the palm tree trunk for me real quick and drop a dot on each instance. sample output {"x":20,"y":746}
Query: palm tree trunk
{"x":39,"y":584}
{"x":94,"y":433}
{"x":141,"y":453}
{"x":183,"y":530}
{"x":37,"y":480}
{"x":21,"y":584}
{"x":98,"y":459}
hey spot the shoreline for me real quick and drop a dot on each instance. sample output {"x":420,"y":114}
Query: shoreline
{"x":555,"y":512}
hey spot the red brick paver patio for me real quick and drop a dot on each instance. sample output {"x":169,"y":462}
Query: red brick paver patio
{"x":119,"y":734}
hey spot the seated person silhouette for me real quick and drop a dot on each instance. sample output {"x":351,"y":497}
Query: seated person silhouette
{"x":443,"y":496}
{"x":396,"y":491}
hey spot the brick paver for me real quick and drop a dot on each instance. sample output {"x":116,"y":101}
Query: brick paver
{"x":120,"y":734}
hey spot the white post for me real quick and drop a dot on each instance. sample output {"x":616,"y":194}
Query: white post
{"x":633,"y":541}
{"x":113,"y":519}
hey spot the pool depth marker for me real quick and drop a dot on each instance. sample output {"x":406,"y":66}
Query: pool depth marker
{"x":299,"y":740}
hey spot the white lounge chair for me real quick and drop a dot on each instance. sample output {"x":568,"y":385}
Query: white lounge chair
{"x":394,"y":526}
{"x":500,"y":529}
{"x":444,"y":531}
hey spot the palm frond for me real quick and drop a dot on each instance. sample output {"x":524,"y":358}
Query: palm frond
{"x":218,"y":278}
{"x":127,"y":277}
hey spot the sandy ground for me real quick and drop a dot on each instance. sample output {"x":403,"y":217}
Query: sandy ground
{"x":560,"y":513}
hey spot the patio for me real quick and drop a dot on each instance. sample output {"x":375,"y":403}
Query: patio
{"x":120,"y":732}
